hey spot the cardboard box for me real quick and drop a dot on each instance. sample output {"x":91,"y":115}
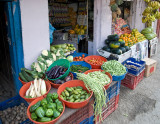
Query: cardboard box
{"x":150,"y":67}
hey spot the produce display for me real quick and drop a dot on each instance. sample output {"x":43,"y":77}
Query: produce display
{"x":79,"y":29}
{"x":16,"y":114}
{"x":100,"y":77}
{"x":115,"y":45}
{"x":151,"y":13}
{"x":47,"y":109}
{"x":78,"y":68}
{"x":62,"y":48}
{"x":27,"y":75}
{"x":114,"y":68}
{"x":148,"y":33}
{"x":95,"y":61}
{"x":99,"y":93}
{"x":59,"y":81}
{"x":133,"y":38}
{"x":36,"y":89}
{"x":79,"y":58}
{"x":74,"y":94}
{"x":56,"y":72}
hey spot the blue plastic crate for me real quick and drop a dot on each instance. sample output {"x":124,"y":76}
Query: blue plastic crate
{"x":113,"y":90}
{"x":88,"y":120}
{"x":80,"y":63}
{"x":134,"y":71}
{"x":14,"y":101}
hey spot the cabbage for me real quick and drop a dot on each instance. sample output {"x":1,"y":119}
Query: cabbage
{"x":150,"y":36}
{"x":147,"y":30}
{"x":70,"y":58}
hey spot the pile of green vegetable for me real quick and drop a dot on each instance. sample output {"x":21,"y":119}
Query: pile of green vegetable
{"x":99,"y":92}
{"x":74,"y":94}
{"x":78,"y":68}
{"x":100,"y":77}
{"x":149,"y":33}
{"x":47,"y":109}
{"x":64,"y":47}
{"x":114,"y":68}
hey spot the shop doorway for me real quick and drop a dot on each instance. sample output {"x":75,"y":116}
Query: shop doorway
{"x":10,"y":51}
{"x":73,"y":21}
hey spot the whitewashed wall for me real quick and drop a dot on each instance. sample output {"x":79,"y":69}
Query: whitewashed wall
{"x":35,"y":28}
{"x":102,"y":23}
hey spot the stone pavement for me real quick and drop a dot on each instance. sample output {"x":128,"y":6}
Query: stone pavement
{"x":142,"y":105}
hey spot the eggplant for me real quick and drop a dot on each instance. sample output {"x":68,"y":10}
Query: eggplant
{"x":58,"y":81}
{"x":58,"y":72}
{"x":68,"y":78}
{"x":51,"y":71}
{"x":62,"y":73}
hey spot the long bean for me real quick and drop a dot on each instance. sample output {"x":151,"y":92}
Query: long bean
{"x":99,"y":91}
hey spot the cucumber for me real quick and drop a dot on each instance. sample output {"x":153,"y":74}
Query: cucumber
{"x":22,"y":77}
{"x":26,"y":75}
{"x":32,"y":73}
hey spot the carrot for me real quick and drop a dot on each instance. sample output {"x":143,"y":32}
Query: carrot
{"x":83,"y":55}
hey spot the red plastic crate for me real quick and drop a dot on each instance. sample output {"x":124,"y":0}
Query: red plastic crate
{"x":112,"y":105}
{"x":80,"y":115}
{"x":132,"y":81}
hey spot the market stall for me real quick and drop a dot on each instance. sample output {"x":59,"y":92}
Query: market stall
{"x":64,"y":86}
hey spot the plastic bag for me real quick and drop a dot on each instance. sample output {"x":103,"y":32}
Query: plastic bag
{"x":51,"y":30}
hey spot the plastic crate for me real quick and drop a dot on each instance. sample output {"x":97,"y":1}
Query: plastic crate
{"x":133,"y":70}
{"x":113,"y":90}
{"x":78,"y":54}
{"x":14,"y":101}
{"x":112,"y":105}
{"x":80,"y":115}
{"x":132,"y":81}
{"x":88,"y":121}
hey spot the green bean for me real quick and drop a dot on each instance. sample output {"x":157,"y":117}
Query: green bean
{"x":114,"y":68}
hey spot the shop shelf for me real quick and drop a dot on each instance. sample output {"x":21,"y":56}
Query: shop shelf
{"x":14,"y":101}
{"x":132,"y":81}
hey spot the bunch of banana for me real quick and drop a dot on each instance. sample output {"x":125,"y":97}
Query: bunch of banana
{"x":157,"y":15}
{"x":145,"y":13}
{"x":144,"y":20}
{"x":147,"y":1}
{"x":154,"y":4}
{"x":148,"y":9}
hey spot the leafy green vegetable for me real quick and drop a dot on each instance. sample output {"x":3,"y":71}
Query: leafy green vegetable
{"x":78,"y":68}
{"x":114,"y":68}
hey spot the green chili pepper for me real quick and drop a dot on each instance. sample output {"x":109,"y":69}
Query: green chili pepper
{"x":56,"y":113}
{"x":34,"y":116}
{"x":40,"y":112}
{"x":44,"y":102}
{"x":54,"y":96}
{"x":51,"y":105}
{"x":44,"y":119}
{"x":49,"y":113}
{"x":59,"y":106}
{"x":49,"y":98}
{"x":35,"y":106}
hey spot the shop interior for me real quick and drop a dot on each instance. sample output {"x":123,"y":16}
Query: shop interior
{"x":73,"y":22}
{"x":7,"y":89}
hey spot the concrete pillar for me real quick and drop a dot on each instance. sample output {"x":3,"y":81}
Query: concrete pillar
{"x":35,"y":29}
{"x":102,"y":23}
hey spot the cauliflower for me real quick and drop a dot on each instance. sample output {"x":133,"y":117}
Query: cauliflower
{"x":49,"y":62}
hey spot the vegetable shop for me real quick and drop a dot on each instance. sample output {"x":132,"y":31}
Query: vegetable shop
{"x":67,"y":59}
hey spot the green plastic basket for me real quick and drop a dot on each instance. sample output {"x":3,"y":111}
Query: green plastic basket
{"x":61,"y":62}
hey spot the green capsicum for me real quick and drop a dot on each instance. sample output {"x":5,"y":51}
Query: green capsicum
{"x":44,"y":119}
{"x":51,"y":105}
{"x":54,"y":96}
{"x":49,"y":113}
{"x":59,"y":106}
{"x":57,"y":100}
{"x":40,"y":112}
{"x":35,"y":106}
{"x":49,"y":98}
{"x":56,"y":113}
{"x":44,"y":107}
{"x":44,"y":102}
{"x":34,"y":116}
